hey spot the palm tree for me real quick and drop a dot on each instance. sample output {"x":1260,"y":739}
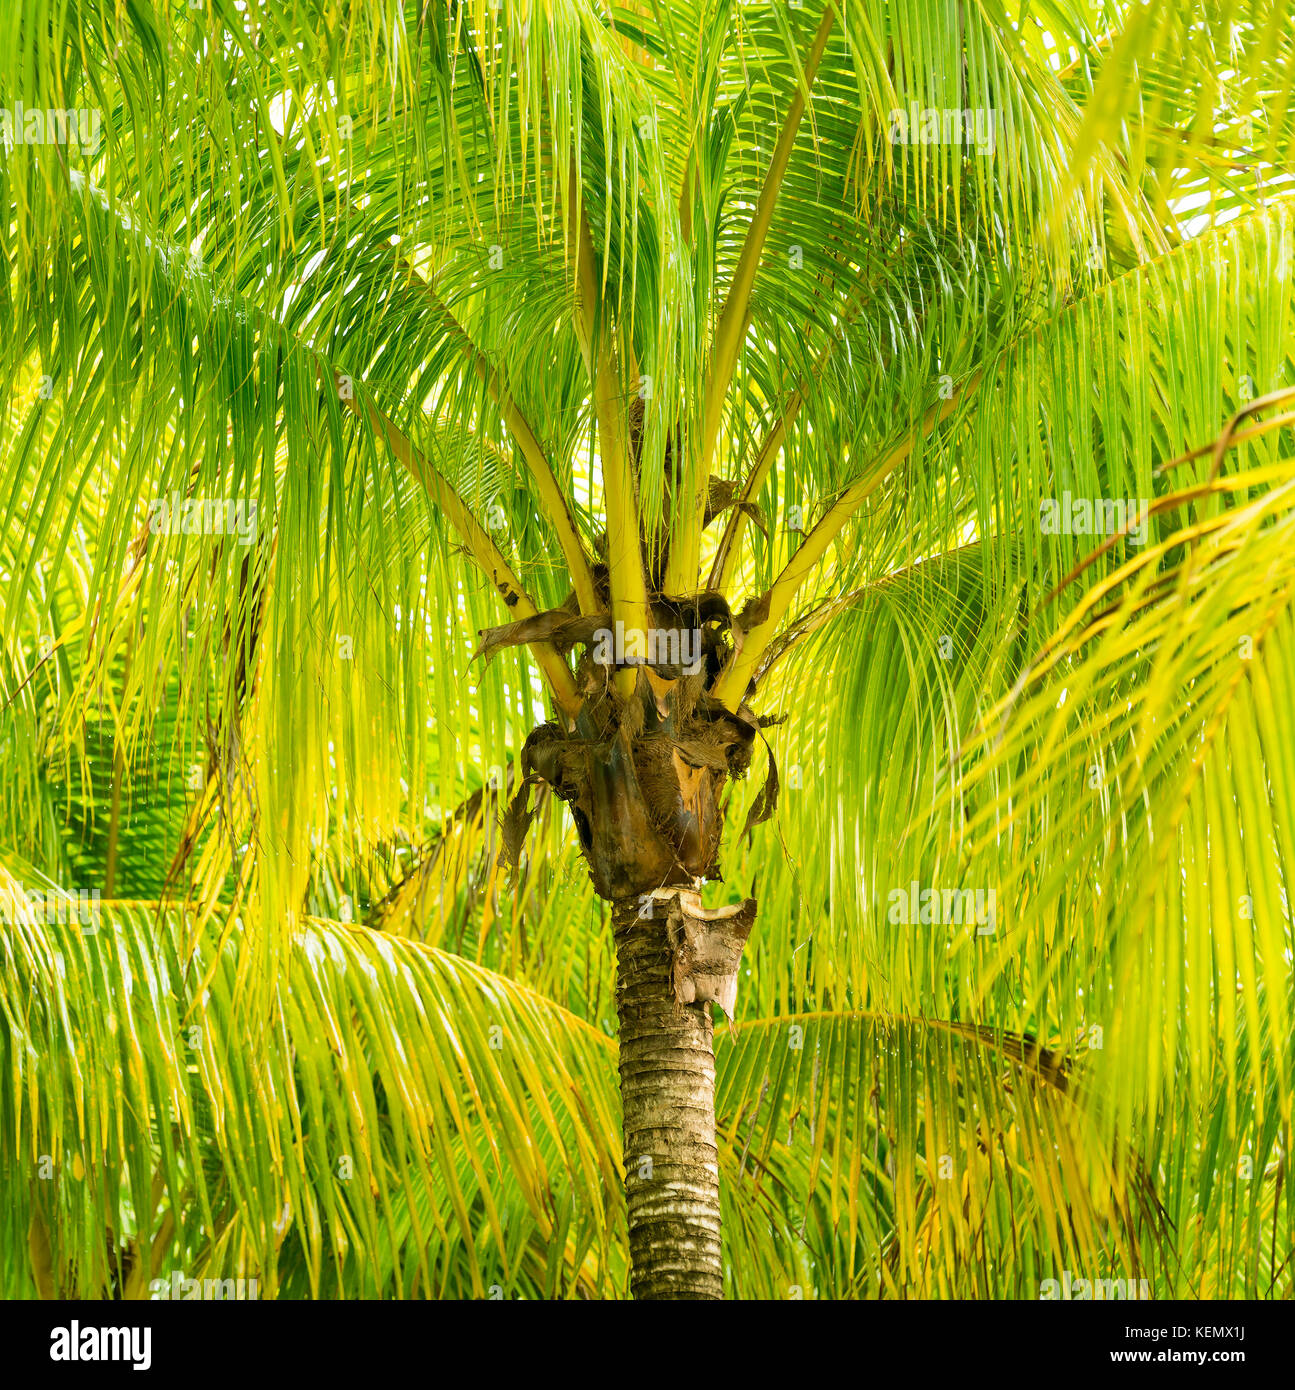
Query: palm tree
{"x":420,"y":415}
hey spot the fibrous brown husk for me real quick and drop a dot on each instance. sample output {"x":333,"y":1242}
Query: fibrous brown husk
{"x":643,"y":786}
{"x":723,"y":494}
{"x":766,"y":803}
{"x":707,"y":949}
{"x":566,"y":628}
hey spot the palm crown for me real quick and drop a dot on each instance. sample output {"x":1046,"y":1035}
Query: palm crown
{"x":516,"y":332}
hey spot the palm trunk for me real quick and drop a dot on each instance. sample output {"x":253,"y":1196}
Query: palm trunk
{"x":667,"y":1066}
{"x":672,"y":958}
{"x":644,"y":789}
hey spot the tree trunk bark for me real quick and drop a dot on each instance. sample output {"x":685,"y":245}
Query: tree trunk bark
{"x":667,"y":1070}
